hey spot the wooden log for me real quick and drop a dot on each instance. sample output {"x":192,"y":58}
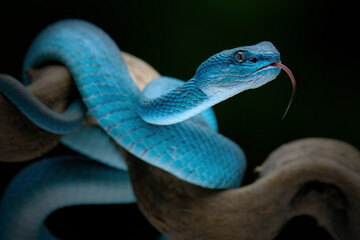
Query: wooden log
{"x":315,"y":177}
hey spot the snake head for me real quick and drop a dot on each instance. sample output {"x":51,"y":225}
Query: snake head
{"x":218,"y":78}
{"x":232,"y":71}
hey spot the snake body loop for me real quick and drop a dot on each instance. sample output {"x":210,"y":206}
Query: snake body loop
{"x":188,"y":150}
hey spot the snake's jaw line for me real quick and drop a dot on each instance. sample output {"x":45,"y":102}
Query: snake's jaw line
{"x":220,"y":77}
{"x":224,"y":75}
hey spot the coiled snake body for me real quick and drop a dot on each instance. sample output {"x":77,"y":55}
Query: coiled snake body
{"x":169,"y":125}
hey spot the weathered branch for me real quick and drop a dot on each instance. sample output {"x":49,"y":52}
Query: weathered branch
{"x":316,"y":177}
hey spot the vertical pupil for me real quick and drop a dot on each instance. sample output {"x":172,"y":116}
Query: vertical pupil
{"x":240,"y":56}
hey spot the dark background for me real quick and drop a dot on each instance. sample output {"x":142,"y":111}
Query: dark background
{"x":318,"y":41}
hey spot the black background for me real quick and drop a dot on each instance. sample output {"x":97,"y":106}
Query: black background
{"x":318,"y":41}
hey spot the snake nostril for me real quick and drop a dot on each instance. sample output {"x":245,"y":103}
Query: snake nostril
{"x":267,"y":59}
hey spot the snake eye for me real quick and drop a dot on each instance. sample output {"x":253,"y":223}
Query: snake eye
{"x":240,"y":56}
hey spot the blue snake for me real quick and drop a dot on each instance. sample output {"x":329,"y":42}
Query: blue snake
{"x":170,"y":124}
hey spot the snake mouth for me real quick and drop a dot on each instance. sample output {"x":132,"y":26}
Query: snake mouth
{"x":291,"y":76}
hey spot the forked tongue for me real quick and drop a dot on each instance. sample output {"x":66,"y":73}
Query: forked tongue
{"x":291,"y":76}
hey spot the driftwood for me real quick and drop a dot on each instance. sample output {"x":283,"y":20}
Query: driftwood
{"x":316,"y":177}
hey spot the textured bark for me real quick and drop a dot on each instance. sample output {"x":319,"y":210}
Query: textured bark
{"x":316,"y":177}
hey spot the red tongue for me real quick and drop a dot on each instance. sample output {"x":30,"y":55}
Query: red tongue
{"x":289,"y":73}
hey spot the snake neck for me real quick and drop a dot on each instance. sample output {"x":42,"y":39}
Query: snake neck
{"x":167,"y":101}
